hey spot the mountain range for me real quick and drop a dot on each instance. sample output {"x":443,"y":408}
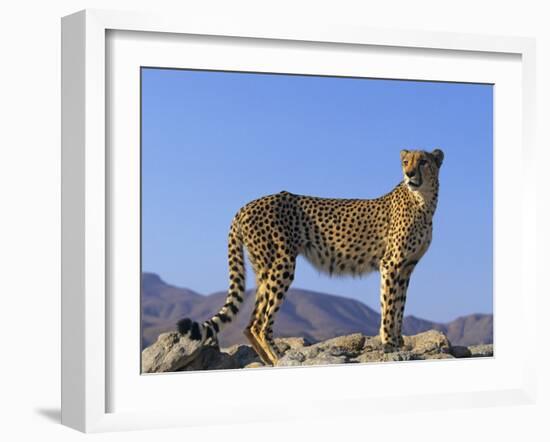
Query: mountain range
{"x":312,"y":315}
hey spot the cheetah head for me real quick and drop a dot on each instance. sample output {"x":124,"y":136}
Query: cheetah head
{"x":421,"y":168}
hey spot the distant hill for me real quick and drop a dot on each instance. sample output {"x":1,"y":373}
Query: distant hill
{"x":312,"y":315}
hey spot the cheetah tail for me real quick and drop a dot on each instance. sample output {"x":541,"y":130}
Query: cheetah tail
{"x":207,"y":331}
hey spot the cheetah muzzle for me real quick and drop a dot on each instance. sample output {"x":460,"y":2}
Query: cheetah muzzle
{"x":389,"y":234}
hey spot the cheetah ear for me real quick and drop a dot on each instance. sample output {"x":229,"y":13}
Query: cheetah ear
{"x":438,"y":157}
{"x":404,"y":153}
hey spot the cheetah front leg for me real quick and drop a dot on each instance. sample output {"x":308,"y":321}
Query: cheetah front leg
{"x":400,"y":298}
{"x":395,"y":282}
{"x":387,"y":309}
{"x":403,"y":278}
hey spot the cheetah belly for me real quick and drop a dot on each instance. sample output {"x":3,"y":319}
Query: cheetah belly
{"x":338,"y":259}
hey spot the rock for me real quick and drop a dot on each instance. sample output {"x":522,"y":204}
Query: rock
{"x":174,"y":352}
{"x":372,"y":343}
{"x":326,"y":359}
{"x":441,"y":356}
{"x":295,"y":357}
{"x":430,"y":342}
{"x":480,"y":351}
{"x":345,"y":344}
{"x":381,"y":356}
{"x":212,"y":358}
{"x":171,"y":352}
{"x":233,"y":349}
{"x":398,"y":356}
{"x":285,"y":344}
{"x":254,"y":365}
{"x":458,"y":351}
{"x":243,"y":354}
{"x":332,"y":351}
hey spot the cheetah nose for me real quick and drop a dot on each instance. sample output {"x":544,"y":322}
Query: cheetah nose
{"x":410,"y":174}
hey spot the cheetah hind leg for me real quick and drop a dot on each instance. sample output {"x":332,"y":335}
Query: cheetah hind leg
{"x":269,"y":348}
{"x":262,"y":347}
{"x":251,"y":331}
{"x":256,"y":346}
{"x":266,"y":340}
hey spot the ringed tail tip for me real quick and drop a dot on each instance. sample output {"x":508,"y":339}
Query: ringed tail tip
{"x":186,"y":325}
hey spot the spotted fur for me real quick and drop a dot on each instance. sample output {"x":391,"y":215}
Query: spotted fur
{"x":338,"y":236}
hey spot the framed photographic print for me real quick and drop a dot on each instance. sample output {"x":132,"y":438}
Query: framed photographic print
{"x":308,"y":211}
{"x":316,"y":135}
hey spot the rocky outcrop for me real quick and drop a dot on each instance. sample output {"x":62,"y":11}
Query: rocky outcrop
{"x":171,"y":352}
{"x":174,"y":352}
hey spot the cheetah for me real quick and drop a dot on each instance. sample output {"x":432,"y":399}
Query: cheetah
{"x":388,"y":234}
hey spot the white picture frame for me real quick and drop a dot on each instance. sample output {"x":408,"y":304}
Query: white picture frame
{"x":86,"y":206}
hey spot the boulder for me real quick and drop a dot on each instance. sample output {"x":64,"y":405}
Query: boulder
{"x":171,"y":352}
{"x":429,"y":343}
{"x":459,"y":351}
{"x":484,"y":350}
{"x":243,"y":354}
{"x":337,"y":350}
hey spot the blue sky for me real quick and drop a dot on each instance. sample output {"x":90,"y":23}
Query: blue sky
{"x":212,"y":141}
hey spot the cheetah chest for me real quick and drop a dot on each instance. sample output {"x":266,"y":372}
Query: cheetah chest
{"x":418,"y":238}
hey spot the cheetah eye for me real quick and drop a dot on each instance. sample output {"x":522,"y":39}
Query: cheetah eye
{"x":423,"y":162}
{"x":405,"y":163}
